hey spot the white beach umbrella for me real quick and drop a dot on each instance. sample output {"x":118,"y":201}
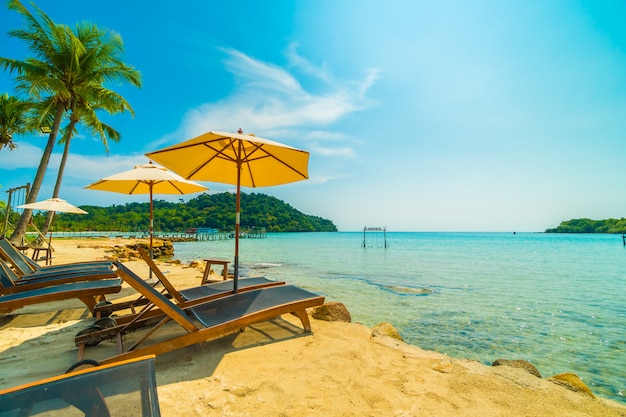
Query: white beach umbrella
{"x":54,"y":205}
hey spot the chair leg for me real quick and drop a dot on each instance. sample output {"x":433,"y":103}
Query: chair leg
{"x":304,"y":318}
{"x":81,"y":352}
{"x":90,"y":302}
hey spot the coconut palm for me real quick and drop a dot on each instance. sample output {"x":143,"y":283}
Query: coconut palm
{"x":68,"y":67}
{"x":14,"y":119}
{"x":85,"y":115}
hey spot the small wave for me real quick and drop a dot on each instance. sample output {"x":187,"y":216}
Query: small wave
{"x":408,"y":290}
{"x":397,"y":289}
{"x":265,"y":265}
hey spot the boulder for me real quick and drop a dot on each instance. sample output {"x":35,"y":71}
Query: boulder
{"x":518,"y":363}
{"x":332,"y":312}
{"x":386,"y":329}
{"x":572,"y":382}
{"x":197,"y":263}
{"x":160,"y":249}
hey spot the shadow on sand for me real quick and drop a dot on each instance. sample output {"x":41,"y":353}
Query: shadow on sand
{"x":38,"y":344}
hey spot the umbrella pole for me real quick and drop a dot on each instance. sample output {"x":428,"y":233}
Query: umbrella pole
{"x":237,"y":217}
{"x":151,"y":229}
{"x":49,"y":251}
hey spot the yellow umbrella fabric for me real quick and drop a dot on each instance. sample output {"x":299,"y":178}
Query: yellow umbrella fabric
{"x":147,"y":179}
{"x":235,"y":158}
{"x":219,"y":156}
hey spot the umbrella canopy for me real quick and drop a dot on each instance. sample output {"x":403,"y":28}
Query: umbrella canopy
{"x":235,"y":158}
{"x":147,"y":179}
{"x":53,"y":204}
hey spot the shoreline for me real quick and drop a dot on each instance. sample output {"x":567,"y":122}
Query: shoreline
{"x":271,"y":369}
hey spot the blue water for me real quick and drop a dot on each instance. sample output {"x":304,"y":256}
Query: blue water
{"x":555,"y":300}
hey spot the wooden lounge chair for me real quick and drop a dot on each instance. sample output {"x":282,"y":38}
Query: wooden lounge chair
{"x":211,"y":320}
{"x":187,"y":297}
{"x":24,"y":266}
{"x":122,"y":388}
{"x":89,"y":292}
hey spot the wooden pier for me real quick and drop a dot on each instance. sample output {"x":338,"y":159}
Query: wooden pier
{"x":196,"y":235}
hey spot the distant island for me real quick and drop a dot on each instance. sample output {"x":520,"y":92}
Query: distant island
{"x":590,"y":226}
{"x":216,"y":211}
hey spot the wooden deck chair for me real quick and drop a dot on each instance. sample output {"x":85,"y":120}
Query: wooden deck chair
{"x":11,"y":283}
{"x":121,"y":388}
{"x":89,"y":292}
{"x":186,"y":297}
{"x":24,"y":266}
{"x":213,"y":319}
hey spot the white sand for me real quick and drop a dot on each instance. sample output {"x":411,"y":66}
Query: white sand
{"x":272,"y":369}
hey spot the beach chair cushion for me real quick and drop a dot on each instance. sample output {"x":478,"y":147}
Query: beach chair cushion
{"x":224,"y":287}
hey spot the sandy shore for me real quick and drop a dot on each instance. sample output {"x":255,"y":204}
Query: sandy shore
{"x":272,"y":369}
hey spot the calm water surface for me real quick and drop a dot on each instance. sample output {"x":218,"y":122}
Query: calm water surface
{"x":552,"y":299}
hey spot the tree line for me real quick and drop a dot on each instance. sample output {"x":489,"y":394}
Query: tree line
{"x":590,"y":226}
{"x":215,"y":211}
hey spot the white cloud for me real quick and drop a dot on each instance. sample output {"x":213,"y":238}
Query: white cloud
{"x":269,"y":101}
{"x":323,"y":135}
{"x":272,"y":103}
{"x":322,"y":179}
{"x":255,"y":73}
{"x":326,"y":151}
{"x":297,"y":61}
{"x":25,"y":156}
{"x":88,"y":169}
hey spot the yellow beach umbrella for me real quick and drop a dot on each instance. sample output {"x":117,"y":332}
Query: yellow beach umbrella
{"x":235,"y":158}
{"x":147,"y":179}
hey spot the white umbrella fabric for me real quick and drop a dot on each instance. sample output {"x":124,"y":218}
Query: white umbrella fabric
{"x":147,"y":179}
{"x":235,"y":158}
{"x":54,"y":205}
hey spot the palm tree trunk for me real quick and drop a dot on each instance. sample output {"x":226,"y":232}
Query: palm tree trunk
{"x":17,"y":237}
{"x":57,"y":187}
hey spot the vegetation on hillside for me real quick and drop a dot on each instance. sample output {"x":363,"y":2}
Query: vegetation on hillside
{"x":214,"y":211}
{"x":590,"y":226}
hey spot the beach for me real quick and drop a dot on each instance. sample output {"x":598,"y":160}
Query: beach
{"x":273,"y":369}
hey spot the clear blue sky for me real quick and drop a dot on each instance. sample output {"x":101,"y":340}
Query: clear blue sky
{"x":419,"y":116}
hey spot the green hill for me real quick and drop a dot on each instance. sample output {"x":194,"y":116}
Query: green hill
{"x":214,"y":211}
{"x":590,"y":226}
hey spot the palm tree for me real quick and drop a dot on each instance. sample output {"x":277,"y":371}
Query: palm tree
{"x":68,"y":67}
{"x":86,"y":114}
{"x":14,"y":119}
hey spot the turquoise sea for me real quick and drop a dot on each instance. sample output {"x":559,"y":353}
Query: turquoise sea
{"x":555,"y":300}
